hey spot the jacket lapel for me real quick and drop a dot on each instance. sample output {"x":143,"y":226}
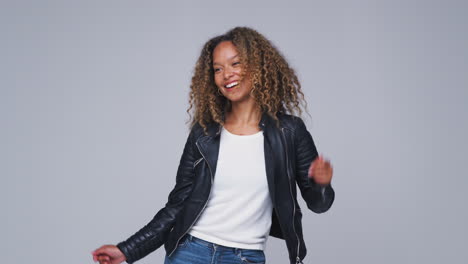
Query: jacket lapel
{"x":209,"y":146}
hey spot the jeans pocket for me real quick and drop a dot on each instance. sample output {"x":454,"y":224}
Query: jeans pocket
{"x":183,"y":242}
{"x":252,"y":256}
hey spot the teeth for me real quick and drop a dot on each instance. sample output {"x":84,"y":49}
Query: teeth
{"x":231,"y":85}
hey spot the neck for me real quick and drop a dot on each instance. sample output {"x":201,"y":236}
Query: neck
{"x":243,"y":113}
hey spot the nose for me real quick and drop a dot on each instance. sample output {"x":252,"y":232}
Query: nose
{"x":228,"y":73}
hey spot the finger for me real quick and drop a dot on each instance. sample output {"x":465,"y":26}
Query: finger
{"x":315,"y":168}
{"x":95,"y":256}
{"x":320,"y":165}
{"x":323,"y":160}
{"x":103,"y":258}
{"x":104,"y":262}
{"x":319,"y":173}
{"x":322,"y":172}
{"x":99,"y":251}
{"x":325,"y":169}
{"x":312,"y":168}
{"x":327,"y":164}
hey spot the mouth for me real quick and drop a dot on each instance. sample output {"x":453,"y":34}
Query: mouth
{"x":231,"y":85}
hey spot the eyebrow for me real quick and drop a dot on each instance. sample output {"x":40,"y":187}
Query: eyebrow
{"x":214,"y":63}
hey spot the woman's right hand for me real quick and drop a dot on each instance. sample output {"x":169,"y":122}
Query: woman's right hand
{"x":108,"y":254}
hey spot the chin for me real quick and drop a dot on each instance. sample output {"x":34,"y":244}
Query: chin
{"x":239,"y":98}
{"x":240,"y":95}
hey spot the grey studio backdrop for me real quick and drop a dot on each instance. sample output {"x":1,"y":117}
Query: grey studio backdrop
{"x":92,"y":113}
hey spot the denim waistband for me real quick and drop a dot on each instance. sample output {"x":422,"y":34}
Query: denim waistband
{"x":211,"y":244}
{"x":204,"y":242}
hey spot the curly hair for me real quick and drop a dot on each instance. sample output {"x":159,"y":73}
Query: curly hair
{"x":275,"y":86}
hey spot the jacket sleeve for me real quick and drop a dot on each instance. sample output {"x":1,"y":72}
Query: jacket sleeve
{"x":318,"y":198}
{"x":155,"y":233}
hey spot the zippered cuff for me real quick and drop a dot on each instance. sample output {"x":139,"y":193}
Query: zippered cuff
{"x":122,"y":246}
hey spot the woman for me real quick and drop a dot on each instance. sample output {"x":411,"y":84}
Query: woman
{"x":235,"y":183}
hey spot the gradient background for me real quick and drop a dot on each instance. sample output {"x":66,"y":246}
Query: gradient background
{"x":86,"y":87}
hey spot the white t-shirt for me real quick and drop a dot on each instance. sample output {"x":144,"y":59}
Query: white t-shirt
{"x":238,"y":213}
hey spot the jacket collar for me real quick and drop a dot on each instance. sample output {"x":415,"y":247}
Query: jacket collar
{"x":214,"y":129}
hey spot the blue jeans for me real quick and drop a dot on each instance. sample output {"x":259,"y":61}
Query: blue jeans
{"x":193,"y":250}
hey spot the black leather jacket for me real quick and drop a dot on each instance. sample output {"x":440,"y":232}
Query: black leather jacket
{"x":289,"y":151}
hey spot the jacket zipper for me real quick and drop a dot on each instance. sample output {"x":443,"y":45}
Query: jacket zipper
{"x":196,"y":162}
{"x":206,"y":202}
{"x":298,"y":259}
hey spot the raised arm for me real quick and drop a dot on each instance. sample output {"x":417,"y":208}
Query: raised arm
{"x":319,"y":197}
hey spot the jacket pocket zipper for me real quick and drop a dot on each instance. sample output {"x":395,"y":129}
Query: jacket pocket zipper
{"x":196,"y":162}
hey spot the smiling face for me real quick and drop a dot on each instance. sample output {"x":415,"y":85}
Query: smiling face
{"x":228,"y":73}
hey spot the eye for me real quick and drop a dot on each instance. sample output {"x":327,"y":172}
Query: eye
{"x":235,"y":63}
{"x":216,"y":69}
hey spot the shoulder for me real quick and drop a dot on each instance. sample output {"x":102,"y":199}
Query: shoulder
{"x":298,"y":130}
{"x":291,"y":122}
{"x":196,"y":131}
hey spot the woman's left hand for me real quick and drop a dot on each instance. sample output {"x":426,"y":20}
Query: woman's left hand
{"x":321,"y":171}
